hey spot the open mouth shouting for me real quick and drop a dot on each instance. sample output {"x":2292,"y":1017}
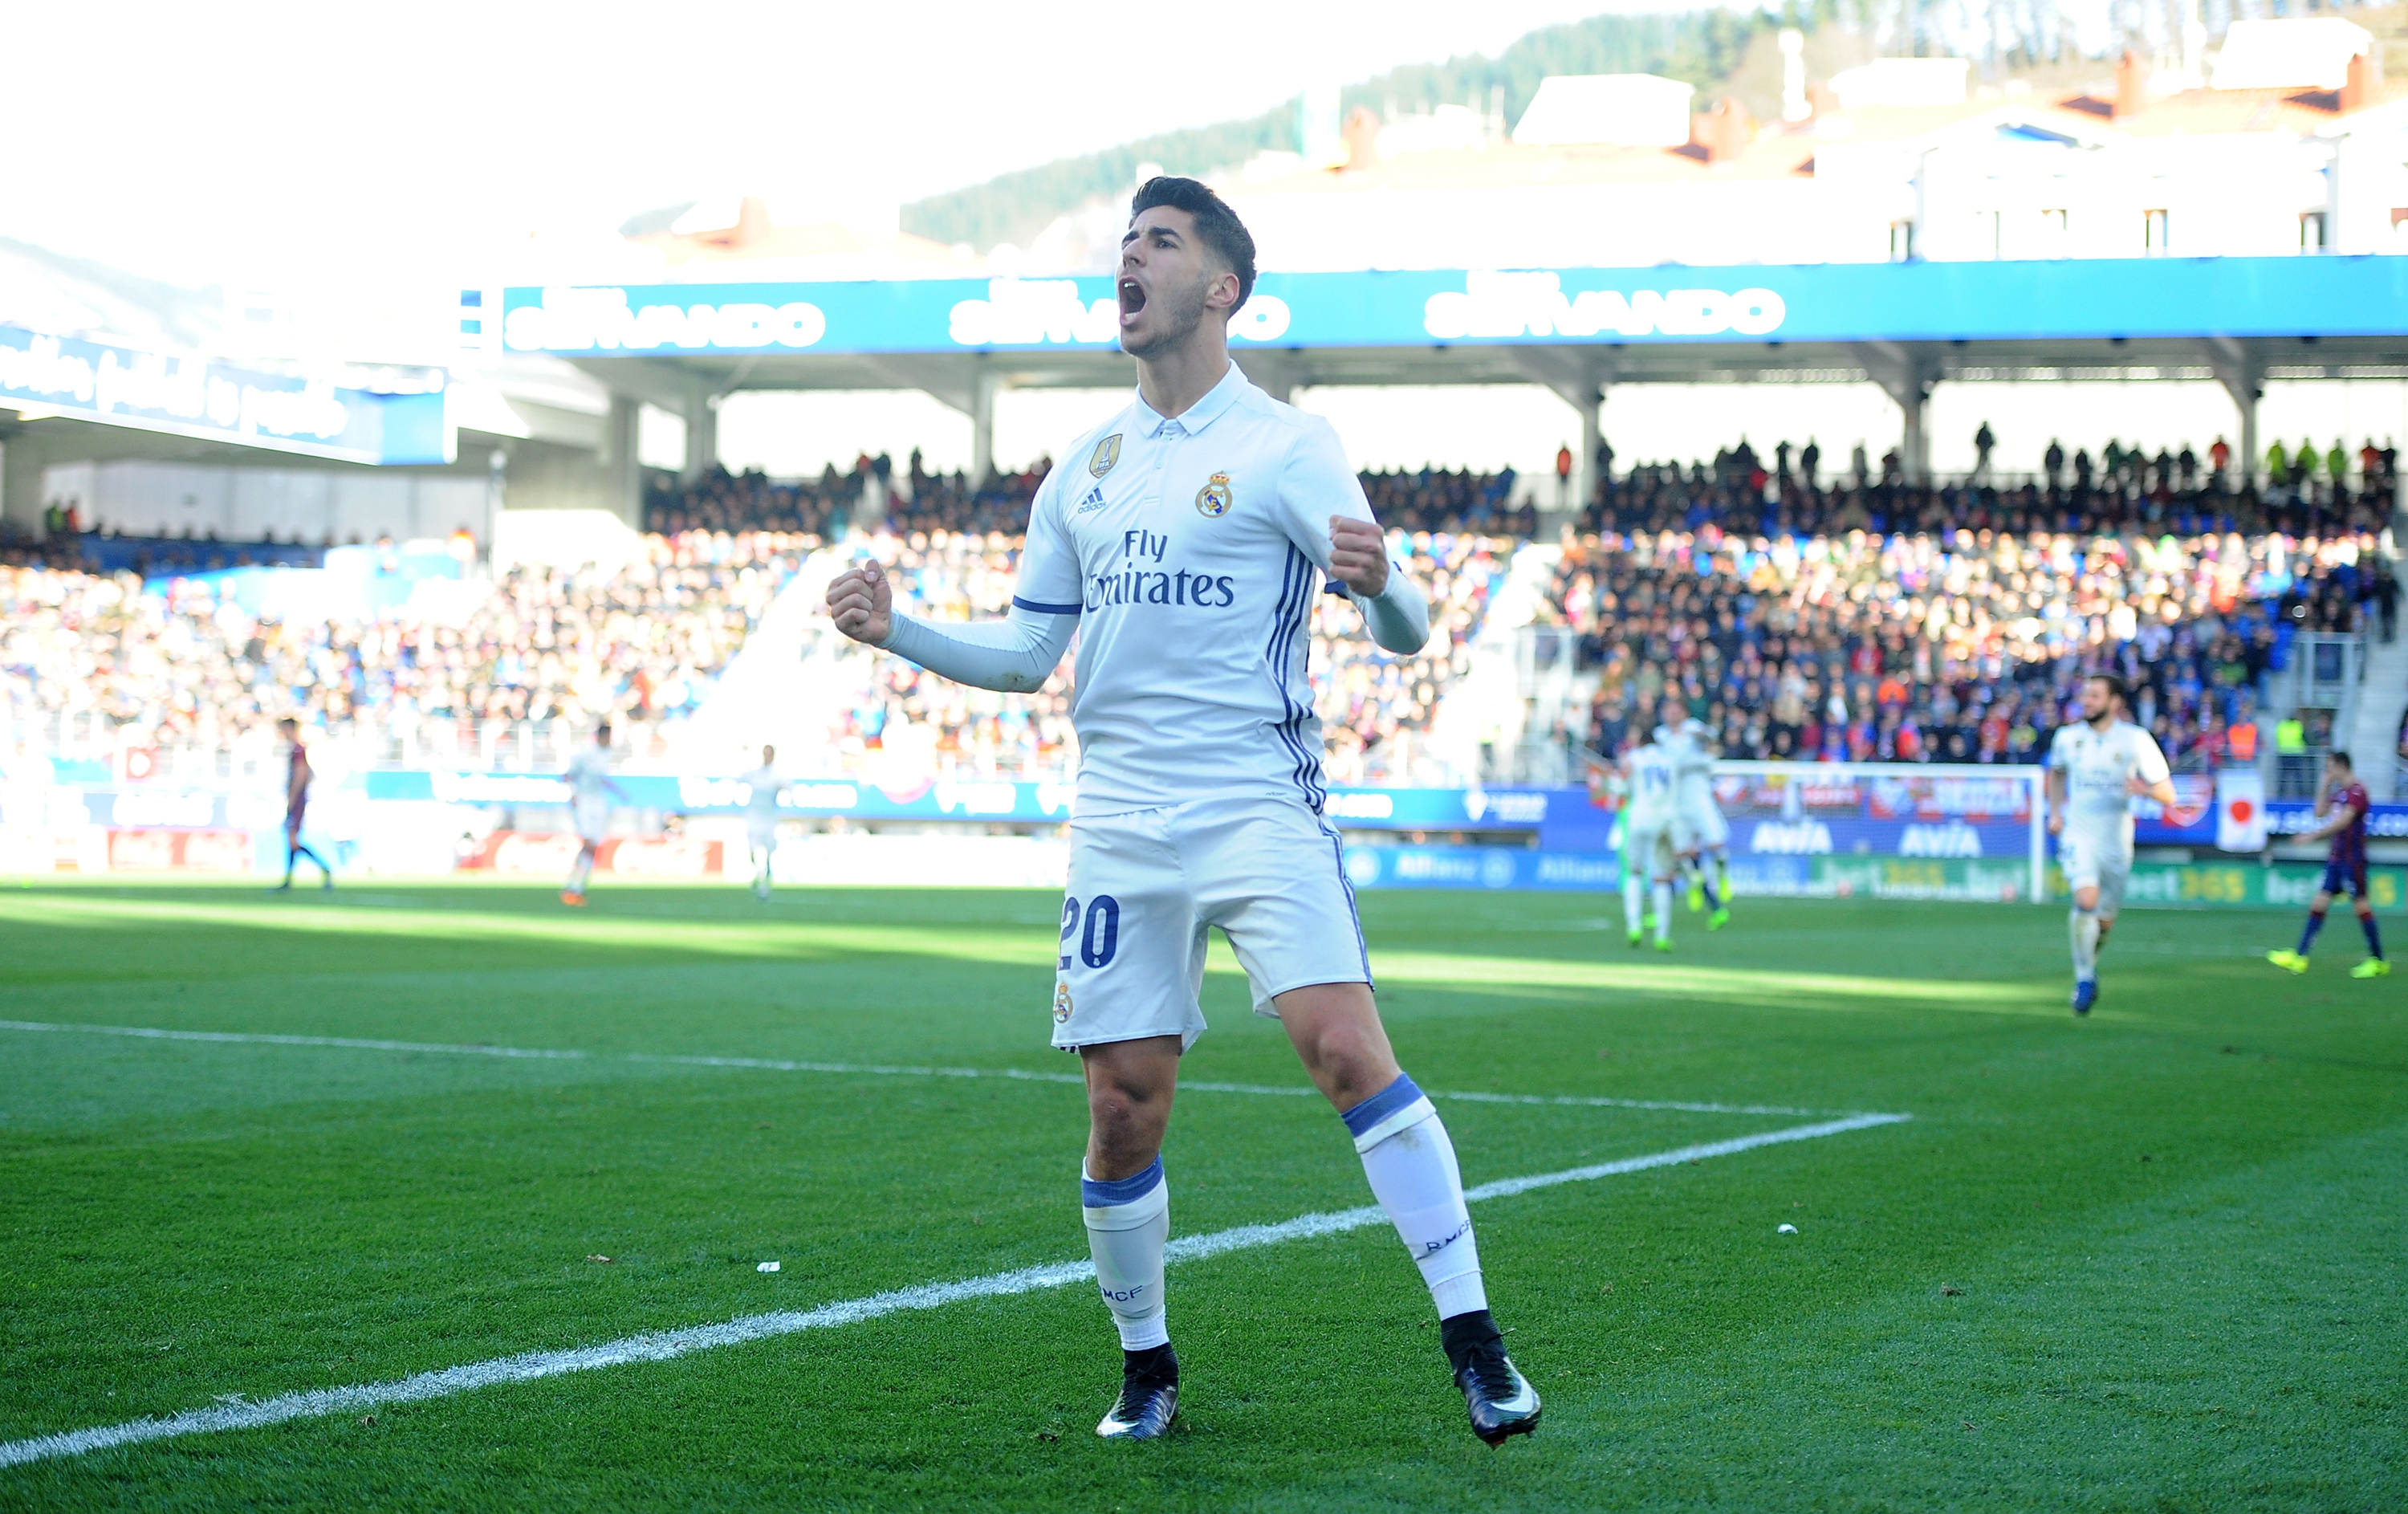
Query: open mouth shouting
{"x":1132,"y":298}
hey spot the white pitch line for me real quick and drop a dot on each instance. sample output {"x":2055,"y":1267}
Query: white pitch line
{"x":854,"y":1069}
{"x":665,"y":1346}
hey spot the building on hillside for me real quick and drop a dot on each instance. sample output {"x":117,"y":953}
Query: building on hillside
{"x":2301,"y":149}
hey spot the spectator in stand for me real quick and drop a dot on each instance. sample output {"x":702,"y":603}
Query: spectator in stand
{"x":2053,"y":462}
{"x":1982,"y":441}
{"x":2219,"y":458}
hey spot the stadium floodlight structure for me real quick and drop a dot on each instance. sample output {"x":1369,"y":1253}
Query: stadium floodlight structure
{"x":1905,"y":326}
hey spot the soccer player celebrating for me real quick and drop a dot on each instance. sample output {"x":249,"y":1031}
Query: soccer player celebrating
{"x":1699,"y":829}
{"x":590,"y":787}
{"x":2095,"y":770}
{"x":1653,"y":774}
{"x":762,"y":786}
{"x":297,"y":776}
{"x":2344,"y":798}
{"x":1184,"y":541}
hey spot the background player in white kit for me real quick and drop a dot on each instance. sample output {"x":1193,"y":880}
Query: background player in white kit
{"x":1184,"y":541}
{"x":763,"y":787}
{"x":590,"y":787}
{"x":2095,"y":770}
{"x":1647,"y":837}
{"x":1700,"y":836}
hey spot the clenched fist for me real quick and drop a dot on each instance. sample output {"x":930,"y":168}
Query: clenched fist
{"x":861,"y":604}
{"x":1358,"y":555}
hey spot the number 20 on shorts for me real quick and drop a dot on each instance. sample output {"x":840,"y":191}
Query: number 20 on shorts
{"x":1095,"y":934}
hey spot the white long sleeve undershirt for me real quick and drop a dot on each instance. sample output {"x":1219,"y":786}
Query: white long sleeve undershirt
{"x":1015,"y":654}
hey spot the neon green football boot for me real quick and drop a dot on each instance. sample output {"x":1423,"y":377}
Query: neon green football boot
{"x":2373,"y":967}
{"x":2288,"y":961}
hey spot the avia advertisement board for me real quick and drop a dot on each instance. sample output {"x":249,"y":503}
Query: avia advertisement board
{"x":2059,"y":299}
{"x":216,"y":401}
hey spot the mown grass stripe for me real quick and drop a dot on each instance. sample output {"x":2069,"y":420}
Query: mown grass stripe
{"x":665,"y":1346}
{"x":771,"y":1064}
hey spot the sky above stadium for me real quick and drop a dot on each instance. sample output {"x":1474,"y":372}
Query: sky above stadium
{"x":262,"y":145}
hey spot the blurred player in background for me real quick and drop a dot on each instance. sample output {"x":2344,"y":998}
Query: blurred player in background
{"x":2345,"y":799}
{"x":590,"y":787}
{"x":1184,"y":542}
{"x":297,"y":777}
{"x":761,"y":818}
{"x":1609,"y":789}
{"x":1700,"y":834}
{"x":1650,"y":820}
{"x":2095,"y":769}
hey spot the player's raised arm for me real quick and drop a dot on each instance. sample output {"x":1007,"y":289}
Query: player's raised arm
{"x":1015,"y":654}
{"x":1317,"y":484}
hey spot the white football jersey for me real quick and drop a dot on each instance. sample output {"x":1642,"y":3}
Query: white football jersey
{"x":1692,"y":764}
{"x":1192,"y":549}
{"x":1654,"y":779}
{"x":761,"y":802}
{"x":589,"y":772}
{"x":2097,"y":765}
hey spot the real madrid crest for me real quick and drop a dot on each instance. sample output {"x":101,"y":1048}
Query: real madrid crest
{"x":1108,"y":452}
{"x":1214,"y":501}
{"x":1061,"y":1003}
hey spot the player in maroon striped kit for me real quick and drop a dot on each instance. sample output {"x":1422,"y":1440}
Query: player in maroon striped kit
{"x":2345,"y":799}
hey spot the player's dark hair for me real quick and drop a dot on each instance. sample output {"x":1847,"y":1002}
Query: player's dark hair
{"x":2116,"y":687}
{"x":2342,"y":758}
{"x":1219,"y":226}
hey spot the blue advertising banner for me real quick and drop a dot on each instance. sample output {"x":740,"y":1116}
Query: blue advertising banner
{"x":1481,"y":867}
{"x":1473,"y":810}
{"x":2190,"y":821}
{"x":199,"y":396}
{"x":2298,"y":817}
{"x":1836,"y":811}
{"x":2056,"y":299}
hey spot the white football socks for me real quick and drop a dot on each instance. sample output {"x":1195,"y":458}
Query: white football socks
{"x":582,"y":871}
{"x":2084,"y":925}
{"x":1634,"y":903}
{"x":1128,"y":1223}
{"x":1663,"y":909}
{"x":1411,"y":1162}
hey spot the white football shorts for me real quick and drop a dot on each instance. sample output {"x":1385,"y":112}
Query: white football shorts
{"x":2097,"y":859}
{"x":593,"y":820}
{"x":761,"y":836}
{"x":1651,"y":846}
{"x":1698,"y":826}
{"x":1148,"y":886}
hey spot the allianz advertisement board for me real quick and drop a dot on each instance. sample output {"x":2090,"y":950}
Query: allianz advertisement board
{"x":2058,"y":300}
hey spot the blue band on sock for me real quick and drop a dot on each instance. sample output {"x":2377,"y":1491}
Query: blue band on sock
{"x":1381,"y":1105}
{"x":1120,"y":1191}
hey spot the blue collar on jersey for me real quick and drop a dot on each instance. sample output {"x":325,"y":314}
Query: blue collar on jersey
{"x":1217,"y":402}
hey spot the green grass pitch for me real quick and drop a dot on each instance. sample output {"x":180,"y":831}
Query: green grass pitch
{"x":2153,"y":1260}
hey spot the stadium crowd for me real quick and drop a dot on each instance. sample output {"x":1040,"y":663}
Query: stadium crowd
{"x":872,"y":496}
{"x":180,"y":661}
{"x":1791,"y":493}
{"x":1962,"y":646}
{"x":1800,"y":615}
